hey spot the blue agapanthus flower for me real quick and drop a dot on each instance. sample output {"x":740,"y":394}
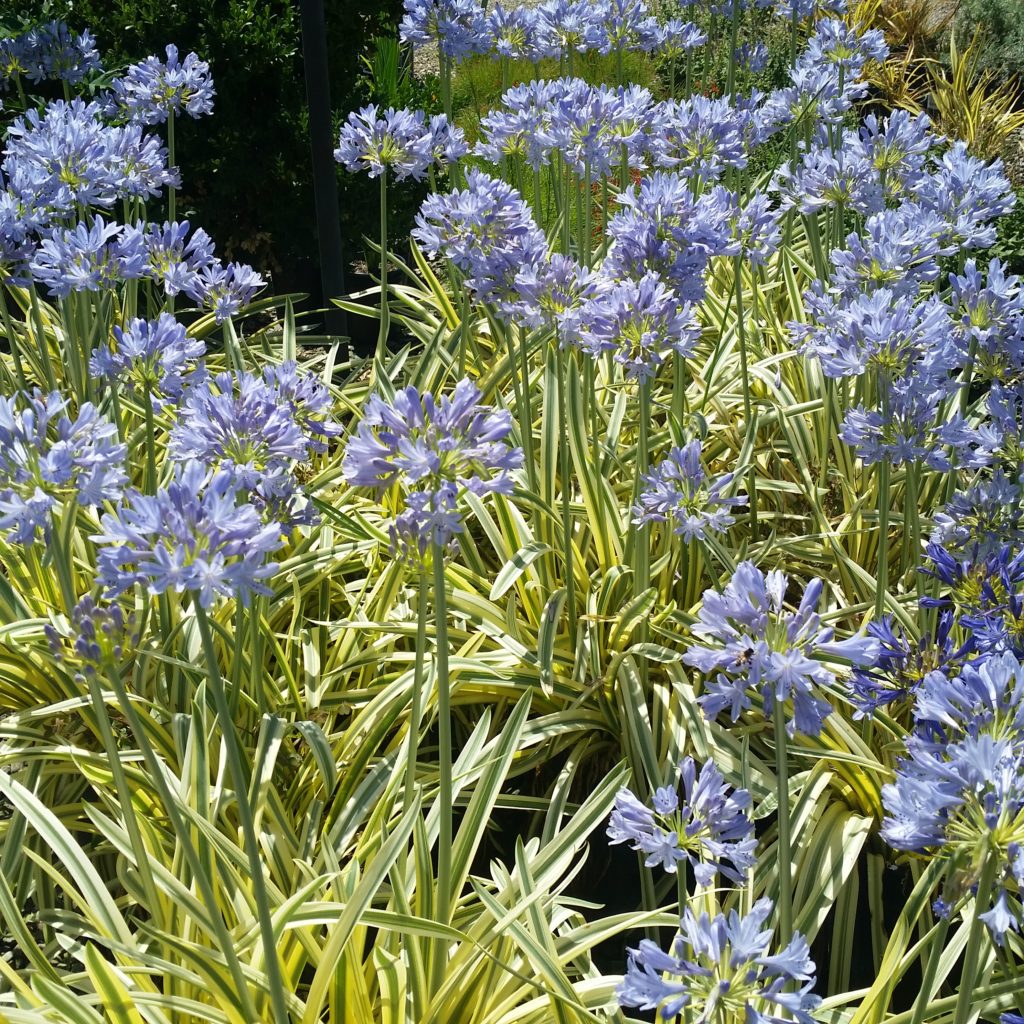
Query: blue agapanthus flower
{"x":434,"y":450}
{"x":150,"y":356}
{"x":969,"y":195}
{"x":511,"y":31}
{"x":989,"y":309}
{"x":456,"y":26}
{"x":663,"y":229}
{"x":49,"y":460}
{"x":678,"y":491}
{"x":175,"y":260}
{"x":486,"y":230}
{"x":50,"y":51}
{"x":226,"y":290}
{"x":897,"y":148}
{"x":705,"y":825}
{"x":699,"y":137}
{"x":92,"y":257}
{"x":565,"y":26}
{"x":152,"y":90}
{"x":720,"y":968}
{"x":903,"y":663}
{"x":826,"y":175}
{"x":402,"y":141}
{"x":982,"y":520}
{"x":59,"y":158}
{"x":195,"y":534}
{"x":552,"y":289}
{"x":960,"y":790}
{"x":640,"y":322}
{"x":596,"y":128}
{"x":755,"y":644}
{"x":241,"y":426}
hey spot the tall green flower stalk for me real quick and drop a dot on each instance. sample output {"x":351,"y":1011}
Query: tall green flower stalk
{"x":385,"y":315}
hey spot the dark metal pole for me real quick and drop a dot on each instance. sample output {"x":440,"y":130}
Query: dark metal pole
{"x":325,"y":182}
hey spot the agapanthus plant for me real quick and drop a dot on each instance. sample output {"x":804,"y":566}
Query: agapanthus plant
{"x":241,"y":426}
{"x":150,"y":357}
{"x":720,"y":969}
{"x":153,"y":90}
{"x":705,"y":825}
{"x":756,"y":645}
{"x":403,"y":142}
{"x":640,"y":322}
{"x":434,"y":450}
{"x":196,"y":534}
{"x":49,"y":461}
{"x":678,"y":491}
{"x":960,"y":790}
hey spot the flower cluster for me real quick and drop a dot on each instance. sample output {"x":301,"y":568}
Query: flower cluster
{"x":758,"y":645}
{"x":153,"y":90}
{"x":709,"y":827}
{"x":678,"y":491}
{"x":960,"y":790}
{"x":98,"y":634}
{"x":403,"y":141}
{"x":486,"y":230}
{"x":434,"y":450}
{"x":49,"y":51}
{"x":195,"y":534}
{"x":253,"y":431}
{"x":151,"y":357}
{"x":49,"y":460}
{"x":722,"y":966}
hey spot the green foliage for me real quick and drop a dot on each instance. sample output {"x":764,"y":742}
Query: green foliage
{"x":1002,"y":32}
{"x":246,"y":168}
{"x":1009,"y":245}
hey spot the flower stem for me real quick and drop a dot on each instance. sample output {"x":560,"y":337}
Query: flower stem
{"x":748,"y":413}
{"x":784,"y":856}
{"x":382,"y":336}
{"x":240,"y":778}
{"x":172,"y":192}
{"x":970,"y":976}
{"x":416,"y":709}
{"x":444,"y":753}
{"x":883,"y":537}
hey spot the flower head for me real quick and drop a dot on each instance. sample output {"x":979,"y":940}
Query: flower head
{"x":640,"y":322}
{"x":195,"y":534}
{"x":245,"y":428}
{"x":960,"y":790}
{"x":758,"y":645}
{"x":721,"y":966}
{"x":97,"y":635}
{"x":400,"y":140}
{"x":224,"y":290}
{"x":48,"y":460}
{"x":678,"y":491}
{"x":151,"y":356}
{"x":152,"y":90}
{"x":706,"y":825}
{"x":486,"y":230}
{"x":434,"y":450}
{"x":89,"y":258}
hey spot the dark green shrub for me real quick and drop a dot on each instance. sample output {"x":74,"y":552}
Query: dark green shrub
{"x":246,"y":170}
{"x":1001,"y":24}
